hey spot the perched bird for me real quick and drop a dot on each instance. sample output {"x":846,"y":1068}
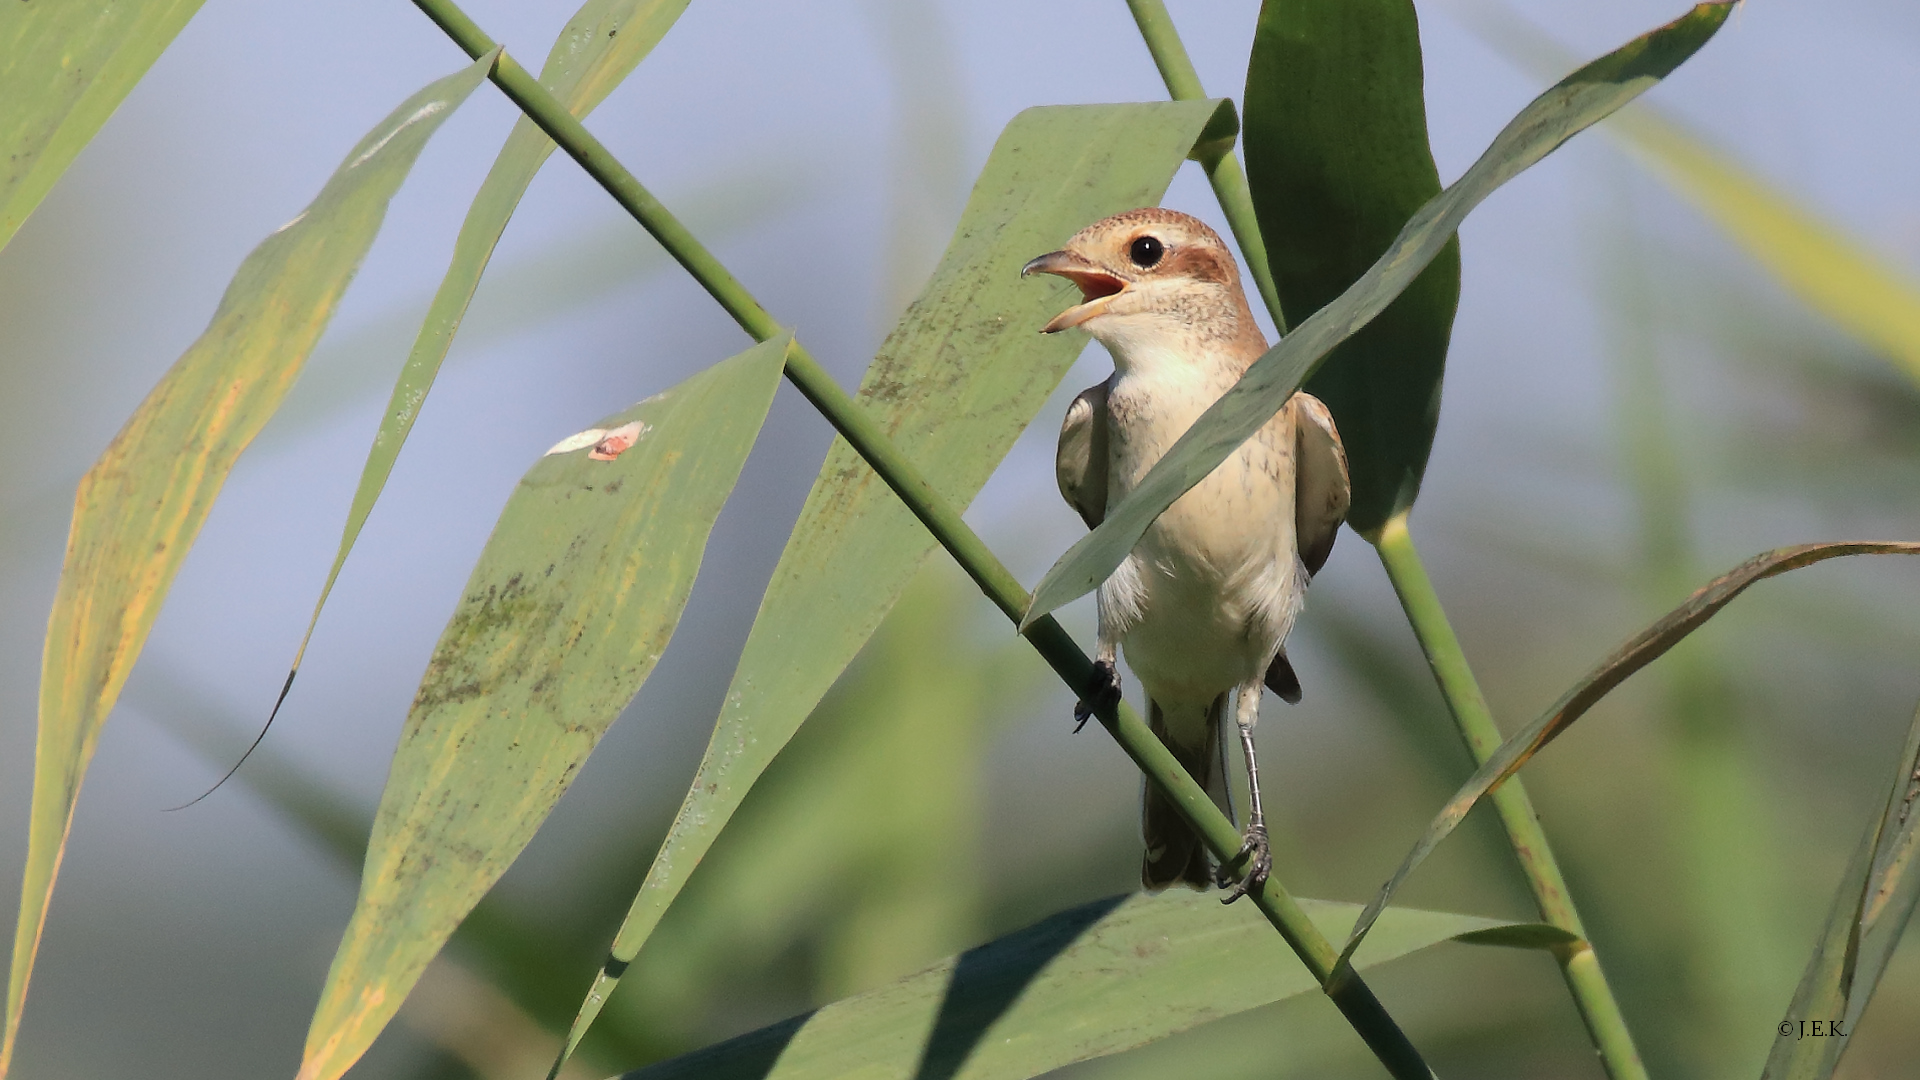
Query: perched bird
{"x":1204,"y":602}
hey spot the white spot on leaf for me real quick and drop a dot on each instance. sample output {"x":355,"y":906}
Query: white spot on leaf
{"x":577,"y":442}
{"x":429,"y":109}
{"x":618,"y":441}
{"x":607,"y":443}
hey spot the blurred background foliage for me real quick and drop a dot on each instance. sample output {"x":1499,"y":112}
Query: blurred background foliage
{"x":1634,"y":406}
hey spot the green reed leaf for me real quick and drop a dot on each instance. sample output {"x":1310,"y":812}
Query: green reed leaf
{"x":1337,"y":161}
{"x":574,"y":598}
{"x":1870,"y":912}
{"x":1066,"y":989}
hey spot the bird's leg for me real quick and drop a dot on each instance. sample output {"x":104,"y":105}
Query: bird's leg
{"x":1220,"y":769}
{"x":1254,"y":851}
{"x":1105,"y":692}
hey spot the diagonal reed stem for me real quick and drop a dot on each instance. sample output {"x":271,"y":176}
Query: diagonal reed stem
{"x":1345,"y":987}
{"x":1606,"y":1026}
{"x":1578,"y":963}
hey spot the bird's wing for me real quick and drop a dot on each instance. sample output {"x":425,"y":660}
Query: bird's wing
{"x":1080,"y":462}
{"x":1321,"y":493}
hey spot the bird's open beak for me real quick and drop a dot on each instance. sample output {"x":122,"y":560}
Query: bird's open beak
{"x":1097,"y":287}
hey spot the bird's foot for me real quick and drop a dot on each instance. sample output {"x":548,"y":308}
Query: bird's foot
{"x":1106,"y":694}
{"x":1257,"y":856}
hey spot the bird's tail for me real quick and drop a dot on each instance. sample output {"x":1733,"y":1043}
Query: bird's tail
{"x":1175,"y":854}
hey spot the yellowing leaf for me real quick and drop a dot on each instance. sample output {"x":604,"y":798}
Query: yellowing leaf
{"x":1864,"y":293}
{"x":141,"y":505}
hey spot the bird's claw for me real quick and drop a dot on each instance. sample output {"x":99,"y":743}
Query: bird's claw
{"x":1258,"y":859}
{"x":1106,"y":694}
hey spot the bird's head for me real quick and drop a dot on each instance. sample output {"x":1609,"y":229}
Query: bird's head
{"x":1149,"y":276}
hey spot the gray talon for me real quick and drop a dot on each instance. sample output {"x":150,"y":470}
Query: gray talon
{"x":1259,"y":865}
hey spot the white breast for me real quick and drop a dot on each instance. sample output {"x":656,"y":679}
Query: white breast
{"x":1212,"y":588}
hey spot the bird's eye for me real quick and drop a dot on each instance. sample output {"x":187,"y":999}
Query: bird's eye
{"x":1145,"y":251}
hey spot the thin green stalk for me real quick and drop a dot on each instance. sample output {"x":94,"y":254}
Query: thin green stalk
{"x":1223,"y":168}
{"x":1578,"y":964}
{"x":1347,"y":990}
{"x":1581,"y":968}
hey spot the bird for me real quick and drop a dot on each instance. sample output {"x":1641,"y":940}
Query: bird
{"x":1203,"y":604}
